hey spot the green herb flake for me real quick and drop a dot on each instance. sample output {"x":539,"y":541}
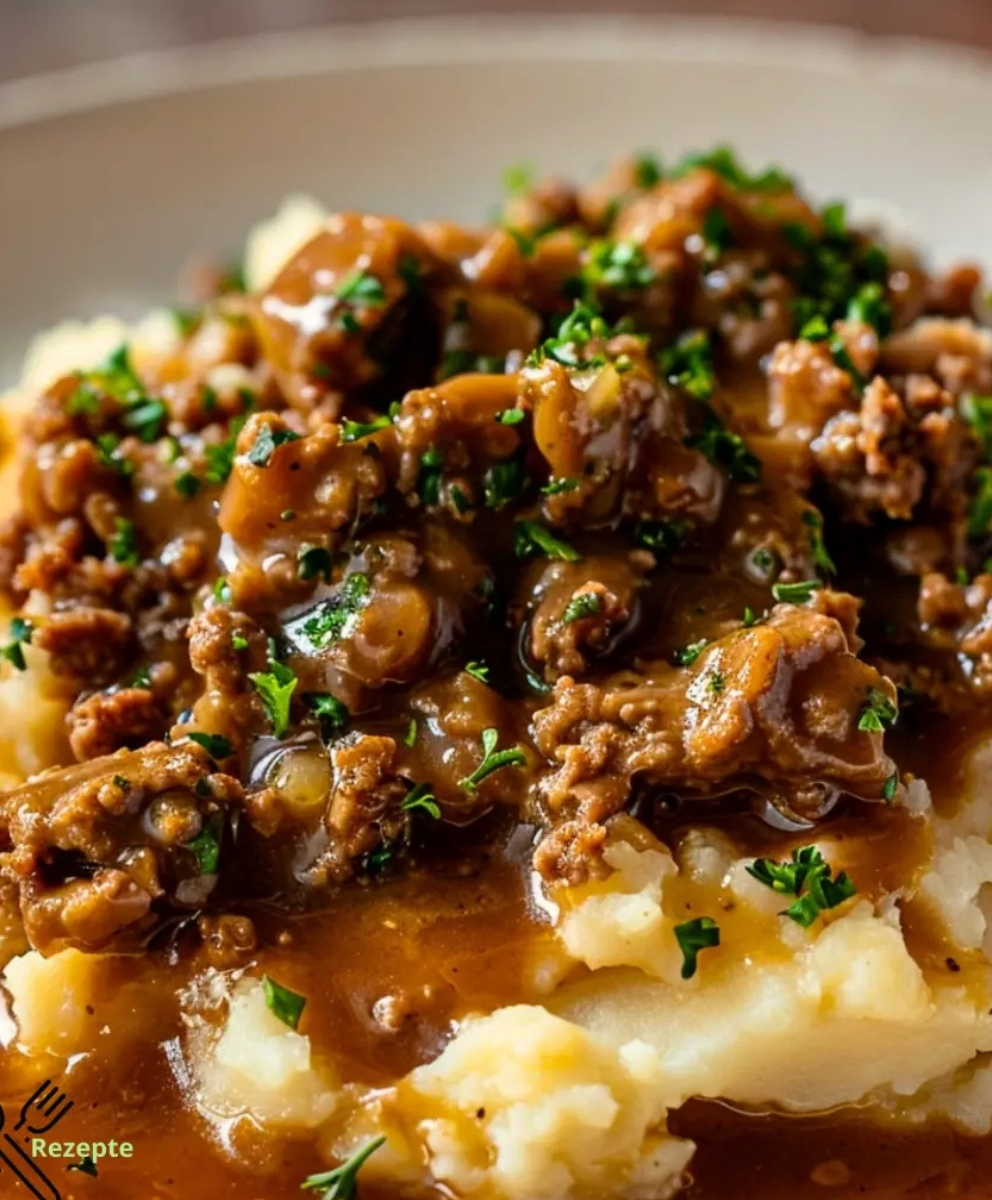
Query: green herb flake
{"x":238,"y":641}
{"x":560,"y":486}
{"x":352,"y":431}
{"x":267,"y":442}
{"x":492,"y":760}
{"x":702,"y":933}
{"x":807,"y":877}
{"x":332,"y":715}
{"x":410,"y":737}
{"x":716,"y":232}
{"x":338,"y":612}
{"x":478,"y":671}
{"x":518,"y":178}
{"x":796,"y":593}
{"x":980,"y":509}
{"x":688,"y":364}
{"x":661,"y":537}
{"x":890,"y":787}
{"x":421,"y":797}
{"x":647,"y":170}
{"x":818,"y":550}
{"x":530,"y":537}
{"x":342,"y":1182}
{"x":282,"y":1003}
{"x":187,"y":484}
{"x":977,"y":411}
{"x":582,"y":326}
{"x":216,"y":746}
{"x":313,"y":561}
{"x":726,"y":450}
{"x":504,"y":481}
{"x":511,"y":416}
{"x":724,"y":162}
{"x":275,"y":688}
{"x":123,"y":543}
{"x":221,"y":591}
{"x":878,"y":712}
{"x":687,"y":655}
{"x":362,"y":290}
{"x":21,"y":633}
{"x":618,"y":266}
{"x":206,"y":848}
{"x":581,"y":607}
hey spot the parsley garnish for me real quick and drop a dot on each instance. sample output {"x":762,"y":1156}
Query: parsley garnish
{"x":362,"y":290}
{"x":518,"y":178}
{"x":661,"y":536}
{"x":889,"y":787}
{"x":511,"y":416}
{"x":878,"y":712}
{"x":796,"y":593}
{"x":313,"y":561}
{"x":109,"y":454}
{"x":338,"y":612}
{"x":980,"y":510}
{"x":421,"y":797}
{"x":351,"y":431}
{"x":221,"y":590}
{"x":492,"y":760}
{"x":207,"y":850}
{"x":556,"y":487}
{"x":530,"y":537}
{"x":410,"y":737}
{"x":429,"y":479}
{"x":585,"y":604}
{"x":869,"y":306}
{"x":220,"y":455}
{"x":147,"y":419}
{"x":187,"y":484}
{"x":688,"y":364}
{"x":724,"y":162}
{"x":282,"y":1003}
{"x":702,"y":933}
{"x":123,"y":544}
{"x":342,"y":1182}
{"x":647,"y":170}
{"x":216,"y":746}
{"x":808,"y":878}
{"x":331,"y":714}
{"x":814,"y":522}
{"x":726,"y":450}
{"x":267,"y":443}
{"x":620,"y":266}
{"x":238,"y":641}
{"x":504,"y":481}
{"x":717,"y":234}
{"x":21,"y":633}
{"x":578,"y":329}
{"x":977,"y":411}
{"x":275,"y":687}
{"x":478,"y":671}
{"x":687,"y":655}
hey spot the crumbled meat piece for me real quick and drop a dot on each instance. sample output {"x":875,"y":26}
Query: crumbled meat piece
{"x":92,"y":644}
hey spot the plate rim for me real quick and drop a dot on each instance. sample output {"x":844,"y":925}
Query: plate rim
{"x":438,"y":41}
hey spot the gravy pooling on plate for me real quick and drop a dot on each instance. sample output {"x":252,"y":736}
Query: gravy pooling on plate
{"x":386,"y":628}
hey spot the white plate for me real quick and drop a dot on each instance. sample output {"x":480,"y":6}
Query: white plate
{"x":111,"y":176}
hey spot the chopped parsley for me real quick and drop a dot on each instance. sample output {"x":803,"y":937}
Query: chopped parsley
{"x":342,"y":1182}
{"x":314,"y":561}
{"x":187,"y":485}
{"x":715,"y":683}
{"x":216,"y":746}
{"x":869,"y":306}
{"x":980,"y":509}
{"x":504,"y":481}
{"x":267,"y":442}
{"x":619,"y":266}
{"x":147,"y":419}
{"x":796,"y":593}
{"x":726,"y":450}
{"x":724,"y":162}
{"x":518,"y":178}
{"x":429,"y":479}
{"x":661,"y":536}
{"x":332,"y":715}
{"x":511,"y":416}
{"x":122,"y":782}
{"x":578,"y":329}
{"x":362,"y":290}
{"x":557,"y":487}
{"x":717,"y":234}
{"x":410,"y":737}
{"x":688,"y":364}
{"x":421,"y":797}
{"x":352,"y":431}
{"x":238,"y":641}
{"x":114,"y":378}
{"x":817,"y":548}
{"x":977,"y":411}
{"x":207,"y":850}
{"x":220,"y":455}
{"x":221,"y":590}
{"x":21,"y":633}
{"x":109,"y":455}
{"x":687,"y":655}
{"x":647,"y":170}
{"x":889,"y":787}
{"x":878,"y":712}
{"x":338,"y":612}
{"x":807,"y":877}
{"x":702,"y":933}
{"x":581,"y":607}
{"x":478,"y":671}
{"x":751,"y":618}
{"x":530,"y":537}
{"x":123,"y":543}
{"x":275,"y":688}
{"x":282,"y":1003}
{"x":493,"y":760}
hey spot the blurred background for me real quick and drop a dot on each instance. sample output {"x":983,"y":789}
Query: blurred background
{"x":38,"y":35}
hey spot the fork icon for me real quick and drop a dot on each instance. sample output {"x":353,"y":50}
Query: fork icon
{"x":49,"y":1104}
